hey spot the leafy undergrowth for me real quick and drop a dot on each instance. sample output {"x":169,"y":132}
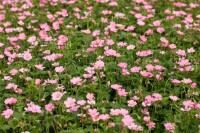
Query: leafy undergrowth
{"x":78,"y":66}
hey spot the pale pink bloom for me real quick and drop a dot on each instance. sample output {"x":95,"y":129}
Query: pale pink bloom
{"x":31,"y":107}
{"x":86,"y":31}
{"x":135,"y":127}
{"x":56,"y":96}
{"x":31,"y":39}
{"x":111,"y":124}
{"x":174,"y":98}
{"x":141,"y":23}
{"x":90,"y":96}
{"x":150,"y":67}
{"x":149,"y":32}
{"x":1,"y":45}
{"x":7,"y":113}
{"x":122,"y":92}
{"x":135,"y":69}
{"x":121,"y":44}
{"x":104,"y":117}
{"x":169,"y":127}
{"x":113,"y":3}
{"x":39,"y":66}
{"x":27,"y":56}
{"x":7,"y":78}
{"x":146,"y":74}
{"x":122,"y":65}
{"x":180,"y":52}
{"x":188,"y":104}
{"x":191,"y":50}
{"x":193,"y":85}
{"x":70,"y":102}
{"x":176,"y":81}
{"x":172,"y":46}
{"x":130,"y":47}
{"x":2,"y":17}
{"x":37,"y":81}
{"x":144,"y":53}
{"x":93,"y":112}
{"x":76,"y":81}
{"x":180,"y":32}
{"x":143,"y":38}
{"x":115,"y":112}
{"x":91,"y":102}
{"x":81,"y":102}
{"x":167,"y":11}
{"x":151,"y":125}
{"x":13,"y":71}
{"x":11,"y":100}
{"x":186,"y":80}
{"x":110,"y":42}
{"x":147,"y":118}
{"x":98,"y":65}
{"x":157,"y":23}
{"x":49,"y":107}
{"x":59,"y":69}
{"x":160,"y":30}
{"x":127,"y":120}
{"x":56,"y":25}
{"x":156,"y":96}
{"x":131,"y":103}
{"x":96,"y":33}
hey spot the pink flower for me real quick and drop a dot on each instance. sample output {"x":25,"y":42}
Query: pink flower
{"x":169,"y":127}
{"x":81,"y":102}
{"x":131,"y":103}
{"x":86,"y":31}
{"x":191,"y":50}
{"x":13,"y":71}
{"x":147,"y":118}
{"x":111,"y":124}
{"x":174,"y":98}
{"x":59,"y":69}
{"x":70,"y":102}
{"x":104,"y":117}
{"x":160,"y":30}
{"x":56,"y":96}
{"x":172,"y":46}
{"x":180,"y":52}
{"x":31,"y":39}
{"x":151,"y":125}
{"x":11,"y":100}
{"x":130,"y":47}
{"x":122,"y":65}
{"x":127,"y":120}
{"x":27,"y":56}
{"x":31,"y":107}
{"x":39,"y":66}
{"x":186,"y":80}
{"x":135,"y":69}
{"x":122,"y":92}
{"x":76,"y":81}
{"x":7,"y":113}
{"x":56,"y":25}
{"x":98,"y":65}
{"x":156,"y":23}
{"x":90,"y":96}
{"x":49,"y":107}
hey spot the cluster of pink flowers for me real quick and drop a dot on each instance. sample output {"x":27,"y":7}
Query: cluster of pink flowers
{"x":31,"y":107}
{"x":151,"y":99}
{"x":120,"y":90}
{"x":144,"y":53}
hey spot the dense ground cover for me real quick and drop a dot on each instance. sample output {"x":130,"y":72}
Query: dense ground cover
{"x":78,"y":66}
